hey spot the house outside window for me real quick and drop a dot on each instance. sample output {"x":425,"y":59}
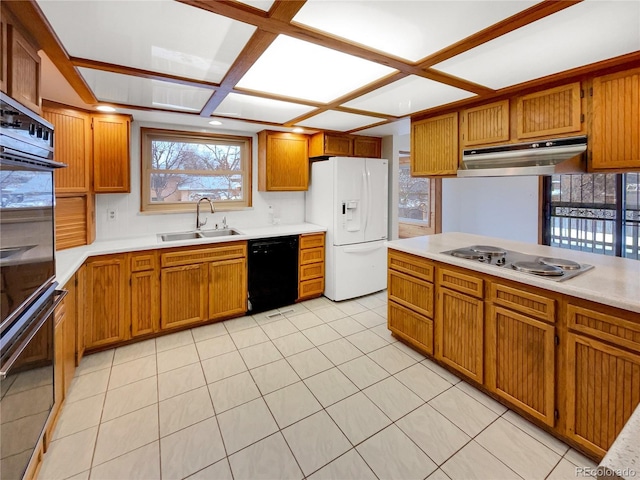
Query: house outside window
{"x":179,"y":168}
{"x":598,"y":213}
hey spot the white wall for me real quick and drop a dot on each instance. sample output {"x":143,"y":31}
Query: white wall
{"x":288,"y":206}
{"x":503,"y":207}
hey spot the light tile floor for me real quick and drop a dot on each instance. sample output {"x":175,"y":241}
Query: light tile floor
{"x":319,"y":391}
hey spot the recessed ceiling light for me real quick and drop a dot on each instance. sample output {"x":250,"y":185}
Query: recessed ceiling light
{"x":298,"y":130}
{"x":215,"y":122}
{"x":105,"y":108}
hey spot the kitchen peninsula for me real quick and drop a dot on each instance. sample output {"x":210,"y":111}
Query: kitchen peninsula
{"x":565,"y":354}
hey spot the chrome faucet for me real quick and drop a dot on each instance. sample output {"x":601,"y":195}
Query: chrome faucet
{"x":204,"y":222}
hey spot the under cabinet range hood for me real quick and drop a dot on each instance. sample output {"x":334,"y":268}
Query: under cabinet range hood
{"x":546,"y":157}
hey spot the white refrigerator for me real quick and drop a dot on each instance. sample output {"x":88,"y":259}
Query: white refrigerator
{"x":350,"y":197}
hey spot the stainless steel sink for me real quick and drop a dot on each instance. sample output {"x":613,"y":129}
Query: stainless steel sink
{"x":175,"y":237}
{"x":219,"y":233}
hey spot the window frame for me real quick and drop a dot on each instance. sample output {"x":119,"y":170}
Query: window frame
{"x":410,"y":228}
{"x":621,"y":218}
{"x":147,"y":135}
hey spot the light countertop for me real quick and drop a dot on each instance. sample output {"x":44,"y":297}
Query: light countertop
{"x":614,"y":281}
{"x":69,"y":260}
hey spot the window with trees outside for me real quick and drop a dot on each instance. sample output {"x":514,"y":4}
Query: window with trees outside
{"x":597,"y":213}
{"x":179,"y":168}
{"x":418,"y":203}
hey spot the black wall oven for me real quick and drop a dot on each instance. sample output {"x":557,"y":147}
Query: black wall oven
{"x":28,"y":295}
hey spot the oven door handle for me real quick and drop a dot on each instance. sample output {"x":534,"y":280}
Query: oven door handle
{"x":60,"y":294}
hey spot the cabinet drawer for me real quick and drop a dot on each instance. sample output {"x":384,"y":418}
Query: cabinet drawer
{"x":411,"y":292}
{"x":143,"y":261}
{"x":411,"y":326}
{"x":311,"y":270}
{"x":201,"y":255}
{"x":311,"y":241}
{"x":460,"y":282}
{"x":606,"y":327}
{"x":411,"y":265}
{"x":311,"y":255}
{"x":524,"y":302}
{"x":311,"y":288}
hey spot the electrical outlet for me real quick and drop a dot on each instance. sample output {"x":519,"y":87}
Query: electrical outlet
{"x":112,"y":214}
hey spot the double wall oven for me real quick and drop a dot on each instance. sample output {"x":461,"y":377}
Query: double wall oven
{"x":28,"y":294}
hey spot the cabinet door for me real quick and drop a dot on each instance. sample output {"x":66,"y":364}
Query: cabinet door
{"x":615,"y":135}
{"x":459,"y":333}
{"x":485,"y":124}
{"x":106,"y":321}
{"x":24,"y":71}
{"x":145,"y":303}
{"x":550,"y":112}
{"x":227,"y":288}
{"x":81,"y":292}
{"x":4,"y":54}
{"x":338,"y":145}
{"x":111,"y":154}
{"x":283,"y":162}
{"x":183,"y":295}
{"x":72,"y":147}
{"x":434,"y":146}
{"x":369,"y":147}
{"x":603,"y":390}
{"x":411,"y":292}
{"x":521,"y":362}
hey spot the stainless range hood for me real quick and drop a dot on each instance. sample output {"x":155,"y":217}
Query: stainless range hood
{"x":547,"y":157}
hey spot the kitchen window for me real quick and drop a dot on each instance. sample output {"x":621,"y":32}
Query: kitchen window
{"x":598,"y":213}
{"x":418,"y":203}
{"x":179,"y":168}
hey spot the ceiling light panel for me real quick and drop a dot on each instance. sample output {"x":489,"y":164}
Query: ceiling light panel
{"x":340,"y":121}
{"x":302,"y":70}
{"x":160,"y":36}
{"x":408,"y":95}
{"x":263,"y":109}
{"x":142,"y":92}
{"x":407,"y":29}
{"x":584,"y":33}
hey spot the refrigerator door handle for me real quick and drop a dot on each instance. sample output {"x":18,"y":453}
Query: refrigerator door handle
{"x":366,"y":193}
{"x":363,"y":249}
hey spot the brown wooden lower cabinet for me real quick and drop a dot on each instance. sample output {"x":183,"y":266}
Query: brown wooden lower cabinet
{"x":459,"y":325}
{"x":145,"y":308}
{"x":227,"y":288}
{"x":603,"y":389}
{"x":106,"y":318}
{"x":520,"y":361}
{"x":572,"y":366}
{"x":184,"y":295}
{"x":311,"y":266}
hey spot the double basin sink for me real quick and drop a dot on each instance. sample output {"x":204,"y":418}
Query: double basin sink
{"x":197,"y":234}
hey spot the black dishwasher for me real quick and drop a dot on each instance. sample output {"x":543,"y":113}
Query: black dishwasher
{"x":273,"y":273}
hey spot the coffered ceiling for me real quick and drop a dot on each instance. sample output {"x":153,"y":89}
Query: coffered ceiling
{"x":354,"y":66}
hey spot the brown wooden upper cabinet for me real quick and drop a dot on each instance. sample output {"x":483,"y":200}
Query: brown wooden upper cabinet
{"x":434,"y":146}
{"x":485,"y":124}
{"x":615,"y":134}
{"x":19,"y":64}
{"x":111,"y":153}
{"x":326,"y":144}
{"x":72,"y":147}
{"x":283,"y":161}
{"x":550,"y":112}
